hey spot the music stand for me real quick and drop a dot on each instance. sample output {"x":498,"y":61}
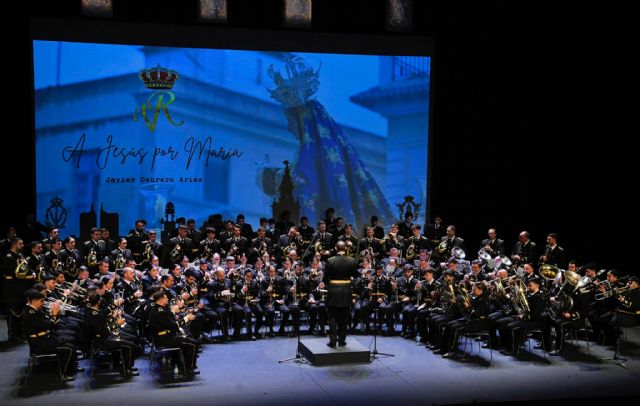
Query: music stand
{"x":298,"y":358}
{"x":375,"y":352}
{"x":626,"y":322}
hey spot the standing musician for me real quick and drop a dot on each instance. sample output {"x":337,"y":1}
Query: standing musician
{"x":166,"y":331}
{"x":447,"y":243}
{"x":39,"y":327}
{"x":17,"y":279}
{"x":135,"y":238}
{"x":436,"y":231}
{"x":261,"y":245}
{"x":210,"y":245}
{"x":71,"y":259}
{"x":237,"y":245}
{"x":306,"y":232}
{"x":393,"y":240}
{"x":369,"y":244}
{"x":493,"y":245}
{"x":53,"y":257}
{"x":404,"y":229}
{"x":416,"y":243}
{"x":525,"y":250}
{"x":150,"y":248}
{"x":109,"y":244}
{"x":553,"y":253}
{"x":322,"y":241}
{"x":107,"y":336}
{"x":179,"y":246}
{"x":93,"y":249}
{"x":350,"y":240}
{"x":35,"y":261}
{"x":337,"y":277}
{"x":120,"y":255}
{"x":54,"y":233}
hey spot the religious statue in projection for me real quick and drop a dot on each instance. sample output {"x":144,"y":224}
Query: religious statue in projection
{"x":328,"y":171}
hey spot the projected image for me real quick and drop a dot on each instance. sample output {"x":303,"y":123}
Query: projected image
{"x":123,"y":130}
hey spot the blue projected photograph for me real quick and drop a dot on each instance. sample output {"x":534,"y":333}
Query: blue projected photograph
{"x":127,"y":129}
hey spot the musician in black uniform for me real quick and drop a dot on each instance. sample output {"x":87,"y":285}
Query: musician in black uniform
{"x":273,"y":292}
{"x":16,"y":281}
{"x":350,"y":240}
{"x":245,"y":228}
{"x":369,"y":243}
{"x":408,"y":287}
{"x":39,"y":327}
{"x":515,"y":332}
{"x":436,"y":231}
{"x":418,"y":241}
{"x":393,"y":240}
{"x":107,"y":337}
{"x":210,"y":245}
{"x":298,"y":296}
{"x":35,"y":261}
{"x":71,"y":259}
{"x":553,"y":253}
{"x":493,"y":245}
{"x":237,"y":245}
{"x":248,"y":301}
{"x":218,"y":300}
{"x":322,"y":240}
{"x":360,"y":299}
{"x":150,"y":248}
{"x":474,"y":320}
{"x":448,"y":310}
{"x":120,"y":255}
{"x":306,"y":232}
{"x":179,"y":246}
{"x":53,"y":257}
{"x":450,"y":241}
{"x":337,"y":277}
{"x":380,"y":292}
{"x":166,"y":331}
{"x":429,"y":297}
{"x":261,"y":245}
{"x":404,"y":229}
{"x":135,"y":238}
{"x":93,"y":249}
{"x":109,"y":244}
{"x":525,"y":250}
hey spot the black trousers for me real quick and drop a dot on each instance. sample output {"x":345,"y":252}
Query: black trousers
{"x":128,"y":348}
{"x":66,"y":352}
{"x":188,"y":345}
{"x":338,"y":323}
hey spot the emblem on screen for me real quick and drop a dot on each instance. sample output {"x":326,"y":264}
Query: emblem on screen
{"x":161,"y":81}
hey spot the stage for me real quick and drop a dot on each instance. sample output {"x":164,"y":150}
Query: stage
{"x":243,"y":373}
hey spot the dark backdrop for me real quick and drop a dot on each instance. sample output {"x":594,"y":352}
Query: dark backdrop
{"x":527,"y":114}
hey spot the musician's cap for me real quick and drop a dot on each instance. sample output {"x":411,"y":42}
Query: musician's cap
{"x":202,"y":261}
{"x":47,"y":277}
{"x":634,"y":278}
{"x":407,"y":267}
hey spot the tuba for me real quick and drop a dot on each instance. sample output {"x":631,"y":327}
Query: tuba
{"x":521,"y":303}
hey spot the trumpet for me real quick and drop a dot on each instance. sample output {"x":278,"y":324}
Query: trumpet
{"x":64,"y":307}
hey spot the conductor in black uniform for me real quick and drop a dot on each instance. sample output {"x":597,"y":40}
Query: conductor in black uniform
{"x":337,"y":277}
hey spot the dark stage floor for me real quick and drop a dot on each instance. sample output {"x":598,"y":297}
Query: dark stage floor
{"x":243,"y":373}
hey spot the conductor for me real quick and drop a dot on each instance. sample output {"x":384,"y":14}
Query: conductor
{"x":337,"y":277}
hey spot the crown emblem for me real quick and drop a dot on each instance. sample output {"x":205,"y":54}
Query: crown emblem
{"x":298,"y":86}
{"x":158,"y":77}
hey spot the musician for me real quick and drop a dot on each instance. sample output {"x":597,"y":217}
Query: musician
{"x":529,"y":273}
{"x":329,"y":216}
{"x":336,"y":229}
{"x":237,"y":245}
{"x":135,"y":238}
{"x":380,"y":292}
{"x":150,"y":248}
{"x":515,"y":331}
{"x":393,"y":240}
{"x":493,"y":245}
{"x":608,"y":306}
{"x":475,"y":320}
{"x":553,"y":253}
{"x":54,"y":233}
{"x":436,"y":231}
{"x":151,"y":279}
{"x":298,"y":295}
{"x":322,"y":241}
{"x":408,"y":286}
{"x":166,"y":332}
{"x":525,"y":250}
{"x":418,"y":241}
{"x":360,"y":298}
{"x":120,"y":255}
{"x":317,"y":300}
{"x":192,"y":233}
{"x":261,"y":244}
{"x":630,"y":300}
{"x":180,"y":246}
{"x":103,"y":269}
{"x":448,"y":310}
{"x":449,"y":242}
{"x":39,"y":327}
{"x":189,"y":292}
{"x":284,"y":223}
{"x":378,"y":232}
{"x":218,"y":300}
{"x":272,"y":294}
{"x":429,"y":295}
{"x":271,"y":231}
{"x":53,"y":258}
{"x":350,"y":240}
{"x":392,"y":268}
{"x":247,"y":303}
{"x":404,"y":229}
{"x":306,"y":232}
{"x":370,"y":243}
{"x":131,"y":292}
{"x":93,"y":249}
{"x":337,"y":277}
{"x":36,"y":261}
{"x":228,"y":231}
{"x":393,"y":256}
{"x":107,"y":337}
{"x":71,"y":258}
{"x":16,"y":281}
